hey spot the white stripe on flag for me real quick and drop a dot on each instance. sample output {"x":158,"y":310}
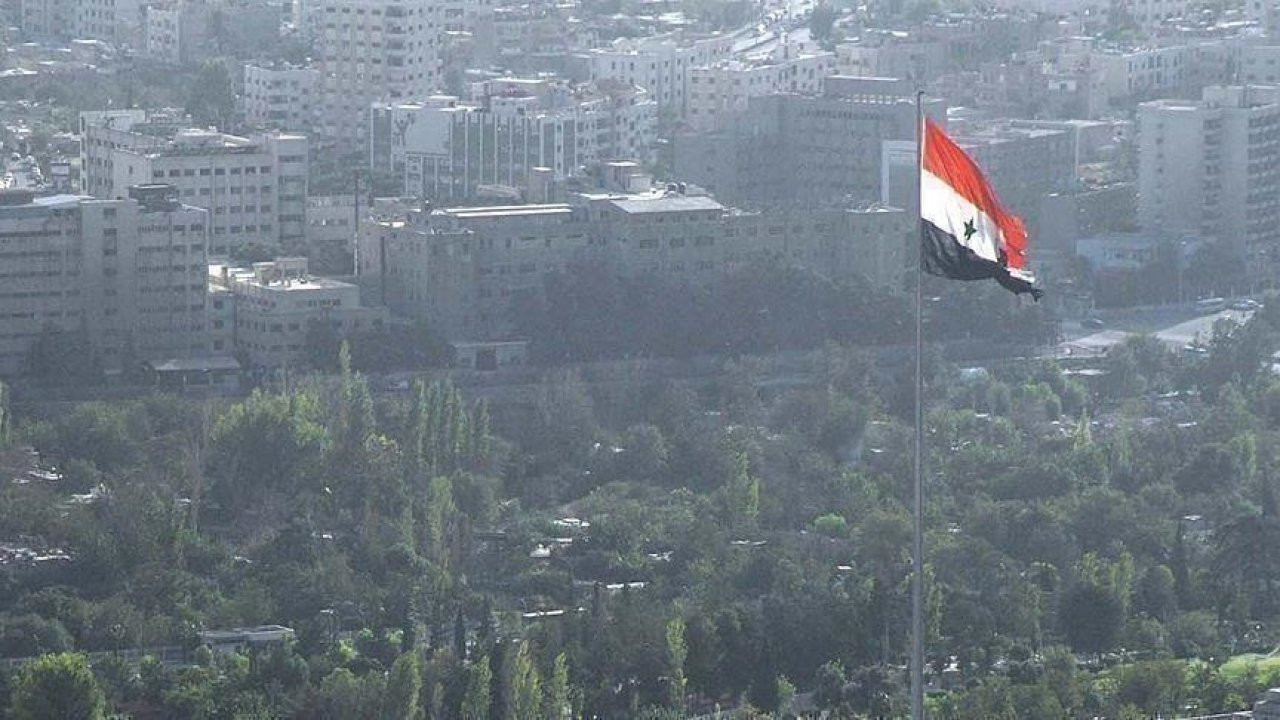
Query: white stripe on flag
{"x":941,"y":205}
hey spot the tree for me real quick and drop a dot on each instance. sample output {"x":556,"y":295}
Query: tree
{"x":212,"y":100}
{"x":58,"y":687}
{"x":526,"y":688}
{"x":403,"y":687}
{"x":1091,"y":617}
{"x":477,"y":698}
{"x":822,"y":20}
{"x":557,"y":691}
{"x":677,"y":652}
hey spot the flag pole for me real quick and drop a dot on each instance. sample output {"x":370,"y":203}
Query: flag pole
{"x":917,"y":548}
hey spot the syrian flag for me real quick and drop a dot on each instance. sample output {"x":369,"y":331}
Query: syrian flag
{"x":966,"y":233}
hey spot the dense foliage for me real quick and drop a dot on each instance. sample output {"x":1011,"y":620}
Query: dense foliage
{"x":1100,"y":543}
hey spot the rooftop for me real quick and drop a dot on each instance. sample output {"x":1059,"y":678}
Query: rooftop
{"x":496,"y":211}
{"x":660,"y":203}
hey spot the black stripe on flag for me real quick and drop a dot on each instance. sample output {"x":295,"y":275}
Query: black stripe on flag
{"x":944,"y":256}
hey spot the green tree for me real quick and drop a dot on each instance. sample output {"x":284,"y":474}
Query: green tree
{"x":58,"y":687}
{"x":677,"y":652}
{"x":557,"y":705}
{"x":403,"y":687}
{"x":477,"y":698}
{"x":1091,"y":617}
{"x":212,"y":100}
{"x":822,"y":21}
{"x":526,"y":687}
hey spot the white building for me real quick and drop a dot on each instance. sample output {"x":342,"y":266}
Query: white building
{"x":1144,"y":72}
{"x":1147,"y":15}
{"x":254,"y":188}
{"x":47,"y":19}
{"x":660,"y":65}
{"x":448,"y":149}
{"x":178,"y":31}
{"x":1212,"y":168}
{"x":370,"y":51}
{"x":128,"y":274}
{"x":724,"y":87}
{"x":278,"y":303}
{"x":113,"y":21}
{"x":280,"y":96}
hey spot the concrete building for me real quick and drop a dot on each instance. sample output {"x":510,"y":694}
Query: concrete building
{"x":127,"y":275}
{"x":330,"y":220}
{"x":254,"y":188}
{"x":372,"y":51}
{"x":119,"y":22}
{"x":448,"y":150}
{"x":280,"y":96}
{"x":726,"y":86}
{"x":180,"y":31}
{"x":789,"y":150}
{"x":1144,"y":73}
{"x":278,"y":303}
{"x":661,"y":65}
{"x":1212,"y":168}
{"x":466,"y":269}
{"x":47,"y":19}
{"x":1024,"y":163}
{"x":1148,"y":16}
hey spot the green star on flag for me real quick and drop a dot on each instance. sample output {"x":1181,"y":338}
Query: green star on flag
{"x":969,"y":229}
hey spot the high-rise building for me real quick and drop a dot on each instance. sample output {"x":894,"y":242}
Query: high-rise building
{"x":254,"y":188}
{"x":447,"y":149}
{"x":1211,"y":168}
{"x":792,"y":150}
{"x":660,"y":64}
{"x":280,"y":96}
{"x":465,"y":270}
{"x":370,"y":51}
{"x":725,"y":86}
{"x":126,"y":275}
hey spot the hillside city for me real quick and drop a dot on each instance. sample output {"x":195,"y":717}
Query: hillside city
{"x":530,"y":360}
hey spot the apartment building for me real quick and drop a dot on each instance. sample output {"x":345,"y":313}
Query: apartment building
{"x":278,"y":303}
{"x":179,"y":31}
{"x":129,"y":274}
{"x":47,"y":19}
{"x":447,"y":149}
{"x":791,"y":150}
{"x":1024,"y":163}
{"x":372,"y":51}
{"x":1147,"y":15}
{"x":726,"y":86}
{"x":1212,"y":168}
{"x":466,"y":269}
{"x":114,"y":21}
{"x":254,"y":188}
{"x":280,"y":96}
{"x":1141,"y":73}
{"x":661,"y":64}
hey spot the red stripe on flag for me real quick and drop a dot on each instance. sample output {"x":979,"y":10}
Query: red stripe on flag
{"x":944,"y":159}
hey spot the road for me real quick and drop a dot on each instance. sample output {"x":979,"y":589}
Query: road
{"x":1177,"y":336}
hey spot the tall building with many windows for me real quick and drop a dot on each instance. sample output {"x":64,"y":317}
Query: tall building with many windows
{"x":447,"y":149}
{"x":370,"y":51}
{"x":1211,"y":168}
{"x":254,"y":188}
{"x":796,"y":150}
{"x":466,"y":270}
{"x":125,"y":275}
